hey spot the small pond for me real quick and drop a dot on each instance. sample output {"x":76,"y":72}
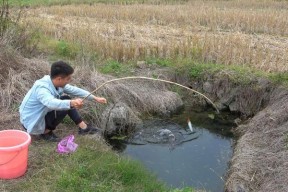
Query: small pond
{"x":197,"y":158}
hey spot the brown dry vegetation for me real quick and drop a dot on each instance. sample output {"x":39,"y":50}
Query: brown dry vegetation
{"x":249,"y":33}
{"x":16,"y":76}
{"x":259,"y":162}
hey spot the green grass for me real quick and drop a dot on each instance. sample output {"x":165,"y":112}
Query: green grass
{"x":57,"y":48}
{"x":115,"y":68}
{"x":237,"y":74}
{"x":89,"y":171}
{"x":93,"y":167}
{"x":160,"y":62}
{"x":279,"y":78}
{"x":65,"y":49}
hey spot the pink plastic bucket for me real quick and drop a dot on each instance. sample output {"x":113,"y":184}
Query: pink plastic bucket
{"x":13,"y":153}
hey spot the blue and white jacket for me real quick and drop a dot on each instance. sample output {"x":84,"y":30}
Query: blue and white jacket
{"x":42,"y":98}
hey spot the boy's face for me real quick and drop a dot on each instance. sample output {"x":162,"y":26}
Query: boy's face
{"x":62,"y":81}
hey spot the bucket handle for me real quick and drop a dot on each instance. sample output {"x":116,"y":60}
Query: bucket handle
{"x":11,"y":158}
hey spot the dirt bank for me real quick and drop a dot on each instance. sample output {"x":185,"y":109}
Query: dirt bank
{"x":260,"y":156}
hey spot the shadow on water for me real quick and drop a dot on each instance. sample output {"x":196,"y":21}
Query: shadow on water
{"x":199,"y":159}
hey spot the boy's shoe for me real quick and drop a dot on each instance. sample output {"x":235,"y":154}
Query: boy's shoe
{"x":50,"y":136}
{"x":89,"y":130}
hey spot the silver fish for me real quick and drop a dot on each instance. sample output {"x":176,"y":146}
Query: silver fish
{"x":190,"y":125}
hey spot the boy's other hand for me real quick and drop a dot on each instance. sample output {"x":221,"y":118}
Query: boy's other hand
{"x":76,"y":103}
{"x":100,"y":100}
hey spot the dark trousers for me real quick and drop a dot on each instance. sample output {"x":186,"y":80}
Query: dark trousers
{"x":54,"y":118}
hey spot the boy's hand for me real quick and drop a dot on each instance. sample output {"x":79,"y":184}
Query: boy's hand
{"x":76,"y":103}
{"x":100,"y":100}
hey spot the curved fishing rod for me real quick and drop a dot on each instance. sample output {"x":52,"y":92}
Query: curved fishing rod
{"x":148,"y":78}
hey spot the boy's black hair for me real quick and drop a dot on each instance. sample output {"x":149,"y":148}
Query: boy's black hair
{"x":60,"y":68}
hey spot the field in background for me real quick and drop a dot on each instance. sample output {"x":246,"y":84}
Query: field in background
{"x":247,"y":33}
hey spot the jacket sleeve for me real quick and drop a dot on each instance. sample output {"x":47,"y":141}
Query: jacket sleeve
{"x":47,"y":99}
{"x":77,"y":92}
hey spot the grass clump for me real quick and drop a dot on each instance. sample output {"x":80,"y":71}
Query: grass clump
{"x":87,"y":172}
{"x":90,"y":171}
{"x":237,"y":74}
{"x":58,"y":48}
{"x":162,"y":62}
{"x":115,"y":68}
{"x":66,"y":50}
{"x":279,"y":78}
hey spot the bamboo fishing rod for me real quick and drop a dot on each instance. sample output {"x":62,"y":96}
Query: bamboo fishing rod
{"x":148,"y":78}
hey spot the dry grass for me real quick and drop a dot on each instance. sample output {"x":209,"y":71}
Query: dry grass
{"x":228,"y":32}
{"x":261,"y":17}
{"x":259,"y":162}
{"x":16,"y":76}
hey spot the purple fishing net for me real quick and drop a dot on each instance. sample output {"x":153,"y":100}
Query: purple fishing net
{"x":66,"y":145}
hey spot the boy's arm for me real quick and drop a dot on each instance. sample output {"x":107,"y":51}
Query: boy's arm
{"x":78,"y":92}
{"x":47,"y":99}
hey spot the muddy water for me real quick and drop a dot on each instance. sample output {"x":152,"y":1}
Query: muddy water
{"x":200,"y":162}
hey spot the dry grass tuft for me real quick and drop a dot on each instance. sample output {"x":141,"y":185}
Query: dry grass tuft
{"x":16,"y":75}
